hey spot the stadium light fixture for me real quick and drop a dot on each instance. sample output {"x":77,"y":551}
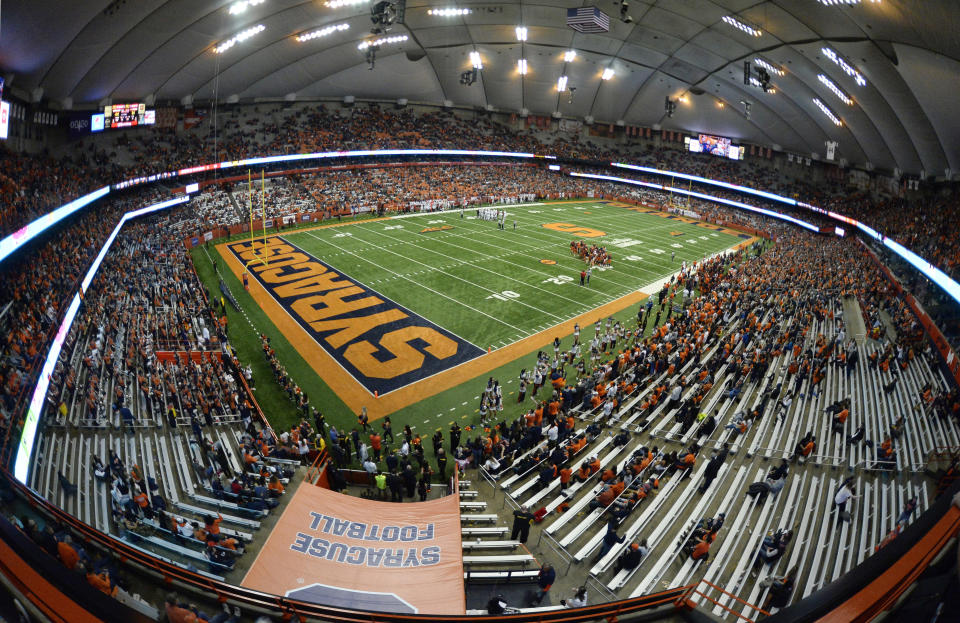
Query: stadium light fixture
{"x":237,"y":38}
{"x":562,"y":84}
{"x":829,"y":113}
{"x":522,"y":66}
{"x":769,"y":90}
{"x":742,"y":26}
{"x":521,"y":33}
{"x":323,"y":32}
{"x":376,"y":43}
{"x":774,"y":69}
{"x":607,"y":74}
{"x":827,"y":82}
{"x":475,"y":60}
{"x":569,"y":55}
{"x":847,"y":68}
{"x":239,"y":7}
{"x":336,"y":4}
{"x":450,"y":12}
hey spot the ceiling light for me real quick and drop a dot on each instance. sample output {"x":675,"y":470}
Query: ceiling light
{"x":521,"y":33}
{"x":607,"y":74}
{"x":827,"y":82}
{"x":720,"y":104}
{"x":827,"y":112}
{"x":683,"y":98}
{"x":376,"y":43}
{"x":845,"y":66}
{"x":336,"y":4}
{"x":774,"y":69}
{"x":562,"y":84}
{"x":323,"y":32}
{"x":522,"y":66}
{"x":569,"y":55}
{"x":448,"y":12}
{"x":237,"y":38}
{"x":475,"y":60}
{"x":770,"y":90}
{"x":747,"y":28}
{"x":240,"y":7}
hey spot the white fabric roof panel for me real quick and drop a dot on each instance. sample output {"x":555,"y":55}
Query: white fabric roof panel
{"x":903,"y":118}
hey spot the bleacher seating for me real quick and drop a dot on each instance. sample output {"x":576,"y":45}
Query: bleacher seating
{"x":116,"y":392}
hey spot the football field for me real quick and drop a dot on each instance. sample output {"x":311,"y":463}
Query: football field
{"x":401,"y":314}
{"x":493,"y":287}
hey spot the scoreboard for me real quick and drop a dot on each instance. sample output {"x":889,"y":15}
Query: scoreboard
{"x":125,"y":115}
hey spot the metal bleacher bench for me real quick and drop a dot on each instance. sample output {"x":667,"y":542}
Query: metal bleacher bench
{"x":239,"y":521}
{"x":186,"y":552}
{"x":487,"y":531}
{"x":480,"y":517}
{"x":231,"y":505}
{"x":480,"y":544}
{"x":473,"y":506}
{"x":516,"y":574}
{"x":506,"y":559}
{"x":206,"y":574}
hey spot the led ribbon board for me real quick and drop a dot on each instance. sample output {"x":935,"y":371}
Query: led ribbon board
{"x":34,"y":228}
{"x":21,"y":468}
{"x":705,"y":197}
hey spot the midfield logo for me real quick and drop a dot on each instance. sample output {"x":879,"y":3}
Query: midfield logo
{"x":441,"y":228}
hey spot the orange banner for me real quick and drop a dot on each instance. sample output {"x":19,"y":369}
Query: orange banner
{"x":347,"y":552}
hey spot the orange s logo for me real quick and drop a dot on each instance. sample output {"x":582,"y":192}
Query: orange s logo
{"x":576,"y":230}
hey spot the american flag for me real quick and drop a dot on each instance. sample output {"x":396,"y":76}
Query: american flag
{"x":589,"y":19}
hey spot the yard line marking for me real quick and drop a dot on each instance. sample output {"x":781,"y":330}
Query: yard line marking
{"x":477,"y":285}
{"x":610,"y":217}
{"x":498,"y":258}
{"x":538,"y":250}
{"x":494,"y":318}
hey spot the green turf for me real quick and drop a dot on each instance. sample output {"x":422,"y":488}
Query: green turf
{"x":450,"y":277}
{"x":489,"y":286}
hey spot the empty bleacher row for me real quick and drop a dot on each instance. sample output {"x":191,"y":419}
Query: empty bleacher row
{"x":777,"y":374}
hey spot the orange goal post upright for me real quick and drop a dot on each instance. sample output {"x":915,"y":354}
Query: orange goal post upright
{"x":262,"y":259}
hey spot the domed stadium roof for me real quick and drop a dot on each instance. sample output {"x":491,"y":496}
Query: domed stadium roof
{"x":886,"y":70}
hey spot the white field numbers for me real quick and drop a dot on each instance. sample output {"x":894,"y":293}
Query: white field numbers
{"x":506,"y":295}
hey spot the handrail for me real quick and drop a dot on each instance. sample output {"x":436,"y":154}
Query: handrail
{"x":886,"y":588}
{"x":695,"y":589}
{"x":313,"y":472}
